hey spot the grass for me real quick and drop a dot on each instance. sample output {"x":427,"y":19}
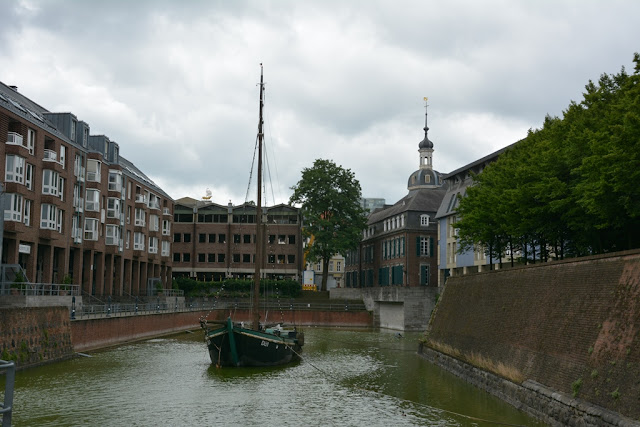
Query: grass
{"x":479,"y":361}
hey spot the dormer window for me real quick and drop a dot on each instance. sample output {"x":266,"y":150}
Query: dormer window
{"x":424,"y":220}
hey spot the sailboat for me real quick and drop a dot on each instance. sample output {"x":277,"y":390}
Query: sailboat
{"x":233,"y":344}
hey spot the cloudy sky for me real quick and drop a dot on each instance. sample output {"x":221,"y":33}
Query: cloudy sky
{"x":174,"y":82}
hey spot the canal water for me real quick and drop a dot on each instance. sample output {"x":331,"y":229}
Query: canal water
{"x":346,"y":378}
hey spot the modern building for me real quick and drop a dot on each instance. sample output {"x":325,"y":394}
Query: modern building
{"x":371,"y":204}
{"x":399,"y":246}
{"x":213,"y":242}
{"x":456,"y":184}
{"x":76,"y":209}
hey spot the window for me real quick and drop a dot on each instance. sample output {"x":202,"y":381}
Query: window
{"x":14,"y":212}
{"x":31,"y":140}
{"x":61,"y":188}
{"x":291,"y":259}
{"x":27,"y":213}
{"x":187,"y":237}
{"x":281,"y":239}
{"x":140,"y":217}
{"x":236,"y":238}
{"x":236,"y":257}
{"x":115,"y":180}
{"x":154,"y":222}
{"x":166,"y":248}
{"x":113,"y":207}
{"x":14,"y":168}
{"x":186,"y":257}
{"x":222,"y":238}
{"x":271,"y":259}
{"x":176,"y":257}
{"x":246,"y":238}
{"x":292,"y":239}
{"x":63,"y":156}
{"x":92,"y":201}
{"x":202,"y":257}
{"x":424,"y":220}
{"x":112,"y":234}
{"x":272,"y":239}
{"x":91,"y":229}
{"x":138,"y":241}
{"x":202,"y":238}
{"x":153,"y":245}
{"x":424,"y":246}
{"x":212,"y":238}
{"x":220,"y":257}
{"x":166,"y":227}
{"x":246,"y":258}
{"x":28,"y":178}
{"x":128,"y":239}
{"x":93,"y":170}
{"x":177,"y":237}
{"x":338,"y":265}
{"x":211,"y":257}
{"x":281,"y":259}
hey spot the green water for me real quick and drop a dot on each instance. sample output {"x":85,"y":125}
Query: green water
{"x":347,"y":378}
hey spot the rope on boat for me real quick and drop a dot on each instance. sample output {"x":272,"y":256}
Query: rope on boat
{"x":469,"y":417}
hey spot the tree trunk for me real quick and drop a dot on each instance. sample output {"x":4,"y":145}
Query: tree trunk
{"x":325,"y":273}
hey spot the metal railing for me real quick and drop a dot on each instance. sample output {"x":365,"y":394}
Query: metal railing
{"x":87,"y":311}
{"x":39,"y":289}
{"x":6,"y":407}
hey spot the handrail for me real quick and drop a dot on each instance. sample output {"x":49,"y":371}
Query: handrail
{"x":6,"y":407}
{"x":40,"y":289}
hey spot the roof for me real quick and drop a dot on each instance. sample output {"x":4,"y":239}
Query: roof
{"x":421,"y":200}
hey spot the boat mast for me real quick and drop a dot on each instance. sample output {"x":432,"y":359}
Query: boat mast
{"x":259,"y":256}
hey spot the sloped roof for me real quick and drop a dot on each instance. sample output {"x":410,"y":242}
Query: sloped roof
{"x":421,"y":200}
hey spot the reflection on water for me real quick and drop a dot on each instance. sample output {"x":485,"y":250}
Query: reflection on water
{"x":346,"y":378}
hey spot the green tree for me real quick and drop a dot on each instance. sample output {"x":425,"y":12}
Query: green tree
{"x":334,"y":220}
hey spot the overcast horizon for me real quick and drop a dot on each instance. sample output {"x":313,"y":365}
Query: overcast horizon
{"x":175,"y":83}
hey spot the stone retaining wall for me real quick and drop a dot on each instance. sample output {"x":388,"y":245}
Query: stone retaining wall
{"x":550,"y":406}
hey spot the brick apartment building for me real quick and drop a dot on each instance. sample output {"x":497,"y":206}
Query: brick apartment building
{"x":214,"y":242}
{"x":75,"y":207}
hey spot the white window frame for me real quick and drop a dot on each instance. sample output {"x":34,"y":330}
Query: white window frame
{"x":92,"y":203}
{"x":50,"y":182}
{"x":27,"y":212}
{"x":15,"y":208}
{"x":93,"y":170}
{"x":91,"y":229}
{"x":153,"y":245}
{"x":128,"y":239}
{"x":154,"y":223}
{"x":31,"y":140}
{"x":425,"y":220}
{"x":138,"y":241}
{"x":166,"y":248}
{"x":140,"y":217}
{"x":28,"y":176}
{"x":115,"y":180}
{"x":14,"y":169}
{"x":63,"y":156}
{"x":112,"y":235}
{"x":113,"y":207}
{"x":166,"y":227}
{"x":48,"y":217}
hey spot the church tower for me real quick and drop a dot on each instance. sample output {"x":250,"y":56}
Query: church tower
{"x":425,"y":176}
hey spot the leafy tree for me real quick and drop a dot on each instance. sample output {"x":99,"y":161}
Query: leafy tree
{"x":330,"y":199}
{"x":570,"y":186}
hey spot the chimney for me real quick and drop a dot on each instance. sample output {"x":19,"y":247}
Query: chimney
{"x":14,"y":88}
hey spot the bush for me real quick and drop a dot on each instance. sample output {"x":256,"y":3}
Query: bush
{"x":238,"y":287}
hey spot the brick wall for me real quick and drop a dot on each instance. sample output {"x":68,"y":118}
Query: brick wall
{"x":31,"y":336}
{"x":560,"y":324}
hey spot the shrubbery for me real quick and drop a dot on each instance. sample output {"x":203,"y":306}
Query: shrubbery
{"x":238,"y":287}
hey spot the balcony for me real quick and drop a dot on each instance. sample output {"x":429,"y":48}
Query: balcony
{"x":78,"y":204}
{"x":14,"y":138}
{"x":165,"y":211}
{"x":154,"y":204}
{"x":93,"y":176}
{"x":141,"y":198}
{"x":50,"y":156}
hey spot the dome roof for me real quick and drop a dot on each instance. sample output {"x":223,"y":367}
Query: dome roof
{"x":425,"y":143}
{"x":424,"y":178}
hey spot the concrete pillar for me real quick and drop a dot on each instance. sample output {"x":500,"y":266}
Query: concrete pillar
{"x":87,"y":271}
{"x":99,"y":272}
{"x":108,"y":274}
{"x":117,"y":276}
{"x":126,"y":279}
{"x":135,"y":278}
